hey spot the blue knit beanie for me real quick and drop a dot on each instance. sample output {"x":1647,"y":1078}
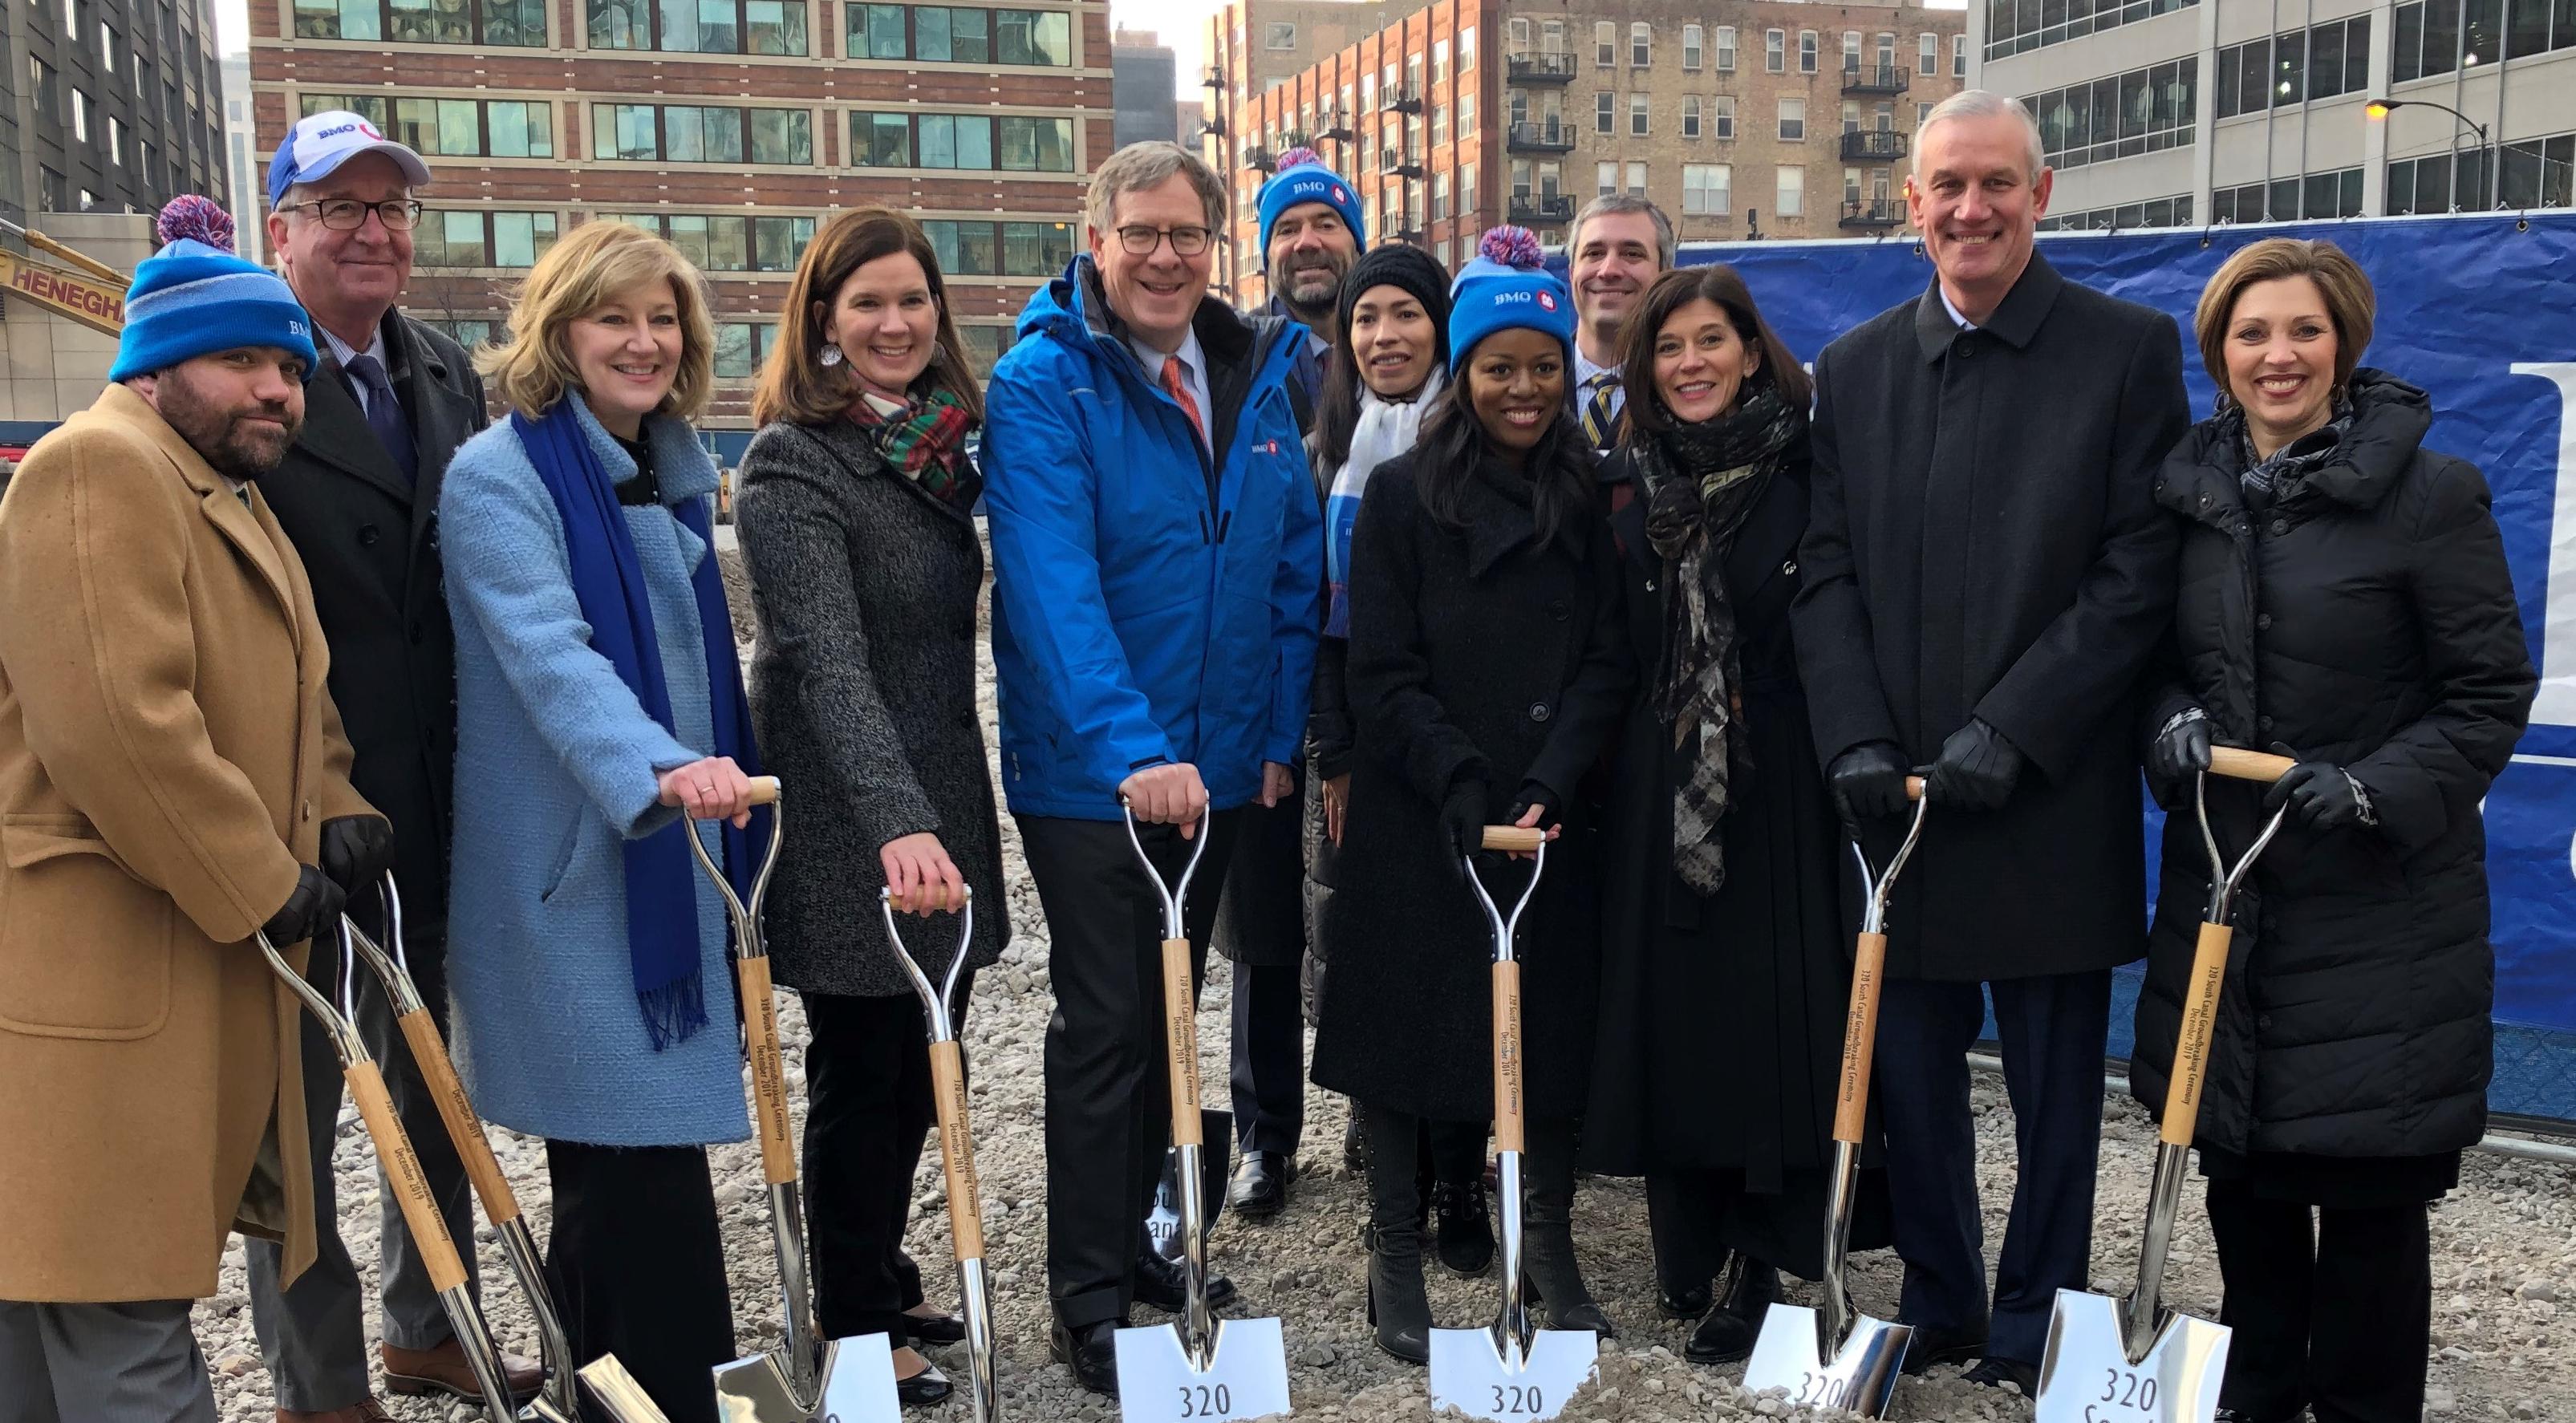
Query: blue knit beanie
{"x":194,"y":296}
{"x":1505,"y":287}
{"x":1303,"y":178}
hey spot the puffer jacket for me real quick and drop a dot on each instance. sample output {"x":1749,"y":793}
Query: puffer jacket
{"x":1150,"y":604}
{"x":2366,"y":617}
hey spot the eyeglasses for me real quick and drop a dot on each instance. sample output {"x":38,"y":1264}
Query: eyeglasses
{"x":1140,"y":240}
{"x":349,"y":214}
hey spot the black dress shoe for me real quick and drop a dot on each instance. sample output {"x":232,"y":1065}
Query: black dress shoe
{"x":1943,"y":1346}
{"x":1089,"y":1352}
{"x":930,"y":1387}
{"x":1995,"y":1373}
{"x":1683,"y":1304}
{"x":1161,"y":1284}
{"x":1727,"y":1335}
{"x":1462,"y":1231}
{"x":935,"y":1328}
{"x":1260,"y":1186}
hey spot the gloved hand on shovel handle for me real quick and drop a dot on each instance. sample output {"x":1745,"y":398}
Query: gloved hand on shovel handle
{"x":2179,"y":752}
{"x":2320,"y":794}
{"x":1462,"y":818}
{"x":1536,"y":808}
{"x":1868,"y":782}
{"x":357,"y":850}
{"x":313,"y":907}
{"x":1976,"y":769}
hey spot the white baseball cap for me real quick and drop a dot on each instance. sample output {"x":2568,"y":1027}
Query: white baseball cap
{"x":319,"y":143}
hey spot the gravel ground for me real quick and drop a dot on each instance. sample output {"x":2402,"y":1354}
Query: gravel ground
{"x":2504,"y":1250}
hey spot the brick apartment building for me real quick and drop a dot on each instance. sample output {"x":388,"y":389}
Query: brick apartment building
{"x":1766,"y":118}
{"x":733,"y":127}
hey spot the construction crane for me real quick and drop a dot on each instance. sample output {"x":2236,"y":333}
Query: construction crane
{"x":73,"y":286}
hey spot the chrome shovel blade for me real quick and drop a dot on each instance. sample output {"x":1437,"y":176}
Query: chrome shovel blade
{"x":1789,"y":1355}
{"x":1246,"y":1375}
{"x":618,"y":1394}
{"x":857,"y":1386}
{"x":2087,"y":1376}
{"x":1477,"y":1374}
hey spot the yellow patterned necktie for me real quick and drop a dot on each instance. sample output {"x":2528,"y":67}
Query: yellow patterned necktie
{"x":1599,"y":425}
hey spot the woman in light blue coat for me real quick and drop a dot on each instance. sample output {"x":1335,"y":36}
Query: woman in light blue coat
{"x":600,"y":718}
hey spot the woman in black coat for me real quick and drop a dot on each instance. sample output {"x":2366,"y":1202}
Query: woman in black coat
{"x":1725,"y":948}
{"x":2344,"y":600}
{"x":1486,"y":669}
{"x":857,"y":531}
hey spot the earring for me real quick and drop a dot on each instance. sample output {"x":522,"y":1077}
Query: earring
{"x":829,"y":356}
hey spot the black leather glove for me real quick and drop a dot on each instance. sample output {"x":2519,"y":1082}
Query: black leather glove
{"x":312,"y":909}
{"x":1551,"y":813}
{"x":1868,"y":782}
{"x":2180,"y":751}
{"x":1976,"y":770}
{"x":2320,"y":796}
{"x":357,"y":850}
{"x":1462,"y":816}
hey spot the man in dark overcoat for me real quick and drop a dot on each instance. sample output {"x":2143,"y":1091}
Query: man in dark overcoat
{"x":1986,"y":575}
{"x":358,"y":495}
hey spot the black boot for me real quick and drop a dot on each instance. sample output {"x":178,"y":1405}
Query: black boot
{"x":1727,"y":1334}
{"x":1465,"y":1231}
{"x":1548,"y":1266}
{"x":1397,"y":1306}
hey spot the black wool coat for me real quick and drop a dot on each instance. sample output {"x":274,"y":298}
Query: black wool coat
{"x":863,"y":695}
{"x":368,"y":536}
{"x":1984,"y":543}
{"x":2366,"y":617}
{"x":1475,"y":653}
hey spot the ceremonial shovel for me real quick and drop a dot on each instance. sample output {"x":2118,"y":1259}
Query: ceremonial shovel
{"x":1198,"y":1367}
{"x":402,"y":1171}
{"x":956,"y":1149}
{"x":500,"y":1205}
{"x":808,"y":1379}
{"x":1841,"y":1360}
{"x":2128,"y":1361}
{"x":1509,"y":1372}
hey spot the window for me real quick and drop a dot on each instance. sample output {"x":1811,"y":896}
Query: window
{"x":1922,"y":111}
{"x":2142,"y":111}
{"x":80,"y":116}
{"x":115,"y":140}
{"x":1959,"y":54}
{"x":1605,"y":112}
{"x":725,"y":242}
{"x":875,"y":32}
{"x":1439,"y":64}
{"x":1035,"y":145}
{"x":677,"y":133}
{"x":1605,"y":43}
{"x":954,"y":140}
{"x":461,"y":128}
{"x":1516,"y":34}
{"x":1851,"y":51}
{"x":1466,"y":189}
{"x":1467,"y":48}
{"x":2317,"y":195}
{"x":941,"y":34}
{"x":1440,"y":197}
{"x":48,"y":92}
{"x":1551,"y":37}
{"x":985,"y":345}
{"x":1690,"y":115}
{"x":106,"y":48}
{"x":1793,"y":120}
{"x":1636,"y":180}
{"x":1726,"y":49}
{"x":2318,"y":63}
{"x":1641,"y":45}
{"x":1886,"y":53}
{"x":1851,"y":116}
{"x":1772,"y":42}
{"x":1439,"y":124}
{"x":494,"y":22}
{"x":2155,"y":212}
{"x":1466,"y":115}
{"x":1792,"y":201}
{"x":1806,"y":51}
{"x":1638,"y":107}
{"x":1722,"y":116}
{"x":1605,"y":179}
{"x":1707,"y":189}
{"x":1927,"y":58}
{"x":1279,"y":34}
{"x":1693,"y":42}
{"x":2019,"y":26}
{"x":479,"y":239}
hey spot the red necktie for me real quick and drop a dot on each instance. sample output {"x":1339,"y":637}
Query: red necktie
{"x":1179,"y":389}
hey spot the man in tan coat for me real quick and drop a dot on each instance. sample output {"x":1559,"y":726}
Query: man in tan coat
{"x":168,"y":757}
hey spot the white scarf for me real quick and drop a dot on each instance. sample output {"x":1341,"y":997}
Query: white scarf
{"x":1386,"y":428}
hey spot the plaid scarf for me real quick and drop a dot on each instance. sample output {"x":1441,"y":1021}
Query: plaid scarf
{"x":926,"y":440}
{"x":2265,"y":479}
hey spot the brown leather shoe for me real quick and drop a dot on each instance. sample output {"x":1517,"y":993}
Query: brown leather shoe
{"x":412,"y":1372}
{"x":368,"y":1412}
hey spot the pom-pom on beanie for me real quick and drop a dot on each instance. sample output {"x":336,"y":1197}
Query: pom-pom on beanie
{"x":1302,"y":178}
{"x":1505,"y":287}
{"x":1408,"y":269}
{"x":194,"y":296}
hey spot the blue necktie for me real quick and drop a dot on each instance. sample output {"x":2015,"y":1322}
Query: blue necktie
{"x":385,"y":414}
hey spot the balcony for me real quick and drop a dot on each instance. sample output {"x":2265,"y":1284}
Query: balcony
{"x":1875,"y":78}
{"x":1337,"y":134}
{"x":1540,"y":69}
{"x":1393,"y":163}
{"x":1877,"y":215}
{"x":1540,"y":138}
{"x":1400,"y":99}
{"x":1213,"y":79}
{"x":1259,"y":159}
{"x":1542,"y":209}
{"x":1214,"y":127}
{"x":1873,"y":145}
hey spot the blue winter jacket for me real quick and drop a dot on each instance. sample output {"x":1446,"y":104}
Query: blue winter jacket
{"x":1147,"y":608}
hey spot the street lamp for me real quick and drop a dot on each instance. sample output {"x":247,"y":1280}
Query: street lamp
{"x":2377,"y":111}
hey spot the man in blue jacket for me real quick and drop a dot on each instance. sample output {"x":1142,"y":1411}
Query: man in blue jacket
{"x":1155,"y":541}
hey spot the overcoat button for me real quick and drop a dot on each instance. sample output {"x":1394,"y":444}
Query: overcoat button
{"x":2263,"y":1021}
{"x":1538,"y":711}
{"x":2280,"y":526}
{"x":2264,"y":722}
{"x":367,"y":535}
{"x":1556,"y":610}
{"x":2263,"y":620}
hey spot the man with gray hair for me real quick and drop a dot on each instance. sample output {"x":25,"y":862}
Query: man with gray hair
{"x":1620,"y":245}
{"x":1156,"y":543}
{"x":1986,"y":574}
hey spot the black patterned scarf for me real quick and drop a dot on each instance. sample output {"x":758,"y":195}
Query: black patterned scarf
{"x":1700,"y":482}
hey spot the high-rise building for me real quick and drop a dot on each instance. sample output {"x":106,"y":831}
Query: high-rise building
{"x":1148,"y":87}
{"x":732,"y":127}
{"x":2182,"y":112}
{"x":245,"y":182}
{"x":116,"y":106}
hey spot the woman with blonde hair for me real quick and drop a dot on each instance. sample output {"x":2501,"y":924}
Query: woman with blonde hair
{"x":2344,"y":601}
{"x":600,"y":718}
{"x":857,"y":527}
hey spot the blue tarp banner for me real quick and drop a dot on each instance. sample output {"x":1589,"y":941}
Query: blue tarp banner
{"x":2481,"y":312}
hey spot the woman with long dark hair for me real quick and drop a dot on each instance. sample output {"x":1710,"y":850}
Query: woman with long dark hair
{"x":1487,"y":666}
{"x":1725,"y":953}
{"x":857,"y":530}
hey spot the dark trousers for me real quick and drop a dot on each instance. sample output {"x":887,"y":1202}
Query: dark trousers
{"x":2054,"y":1030}
{"x":1683,"y":1209}
{"x":1108,"y":1105}
{"x":1407,"y":1153}
{"x":868,"y":1112}
{"x":638,"y":1270}
{"x":2332,"y":1308}
{"x":1269,"y":1068}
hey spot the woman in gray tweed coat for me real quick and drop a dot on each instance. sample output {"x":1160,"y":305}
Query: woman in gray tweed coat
{"x":857,"y":528}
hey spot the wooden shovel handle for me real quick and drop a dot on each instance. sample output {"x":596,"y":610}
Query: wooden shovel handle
{"x":957,"y":1151}
{"x":1181,"y":1043}
{"x":429,"y":1054}
{"x":1510,"y":1112}
{"x":2199,"y":1025}
{"x":1914,"y":788}
{"x":1860,"y":1039}
{"x":1514,"y":838}
{"x":768,"y":1073}
{"x":764,"y":790}
{"x":404,"y":1178}
{"x":2246,"y":765}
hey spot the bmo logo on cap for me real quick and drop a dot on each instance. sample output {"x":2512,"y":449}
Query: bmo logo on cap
{"x":1546,"y":301}
{"x":1522,"y":299}
{"x":1340,"y":196}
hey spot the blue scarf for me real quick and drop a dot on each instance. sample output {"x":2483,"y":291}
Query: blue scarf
{"x":608,"y":580}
